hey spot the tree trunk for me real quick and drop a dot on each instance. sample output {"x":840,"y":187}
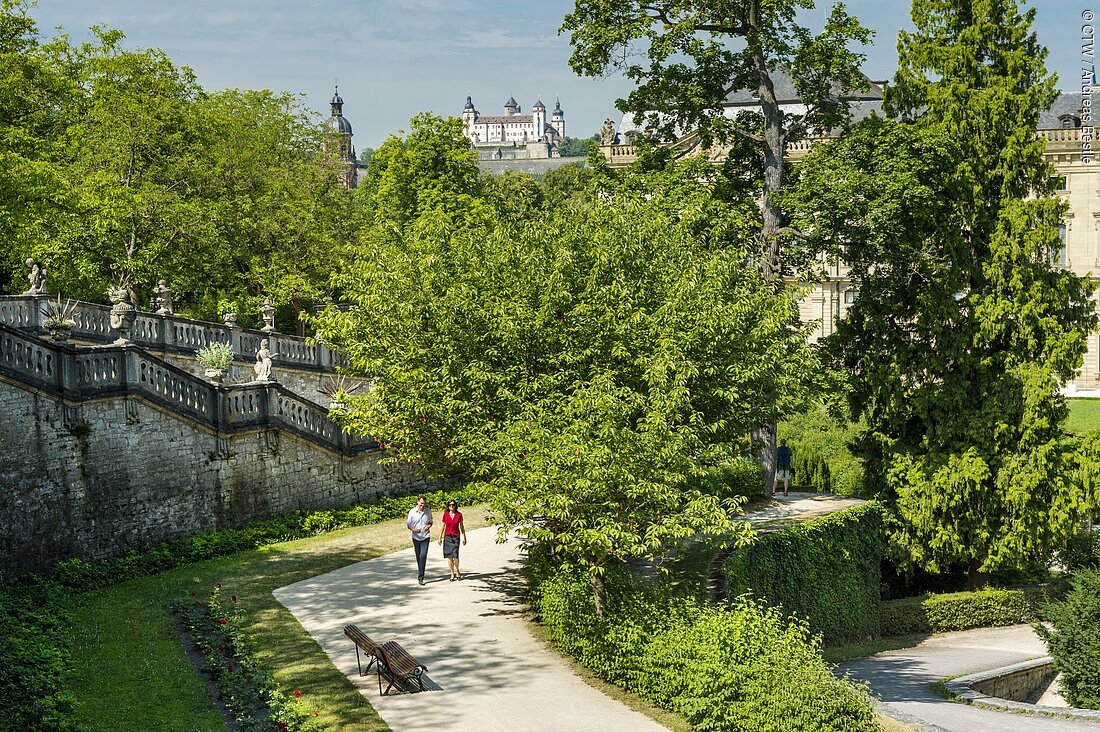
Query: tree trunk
{"x":763,"y":440}
{"x":774,"y":148}
{"x":299,"y":324}
{"x":599,"y":593}
{"x":975,"y":578}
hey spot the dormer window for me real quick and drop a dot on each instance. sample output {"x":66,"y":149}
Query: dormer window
{"x":1069,"y":121}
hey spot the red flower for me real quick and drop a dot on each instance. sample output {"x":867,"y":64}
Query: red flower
{"x":218,"y":585}
{"x":234,"y":598}
{"x":316,"y":713}
{"x":297,"y":693}
{"x":223,"y":621}
{"x":192,"y":594}
{"x":229,"y":668}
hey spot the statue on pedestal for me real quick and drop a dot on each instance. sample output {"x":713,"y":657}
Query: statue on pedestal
{"x":164,"y":299}
{"x":608,"y":135}
{"x":263,"y":362}
{"x":36,"y":277}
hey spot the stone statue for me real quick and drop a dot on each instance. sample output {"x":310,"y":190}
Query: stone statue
{"x":36,"y":277}
{"x":263,"y":362}
{"x":164,"y":299}
{"x":123,"y":315}
{"x":607,"y":133}
{"x":230,"y":319}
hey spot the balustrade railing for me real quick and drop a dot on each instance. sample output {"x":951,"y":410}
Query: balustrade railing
{"x":170,"y":333}
{"x":75,"y":374}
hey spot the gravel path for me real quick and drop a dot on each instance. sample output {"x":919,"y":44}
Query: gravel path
{"x":902,"y":680}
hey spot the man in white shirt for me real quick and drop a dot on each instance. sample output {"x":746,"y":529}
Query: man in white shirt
{"x":420,"y":524}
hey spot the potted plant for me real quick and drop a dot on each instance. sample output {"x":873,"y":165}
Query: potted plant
{"x":59,"y":319}
{"x":215,"y":359}
{"x":115,"y":293}
{"x":338,"y":388}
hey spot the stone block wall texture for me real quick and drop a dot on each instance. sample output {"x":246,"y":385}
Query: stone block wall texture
{"x":97,"y":479}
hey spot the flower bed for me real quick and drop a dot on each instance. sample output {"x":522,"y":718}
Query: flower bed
{"x":246,"y":688}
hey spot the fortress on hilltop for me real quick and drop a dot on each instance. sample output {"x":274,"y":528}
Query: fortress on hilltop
{"x":514,"y":135}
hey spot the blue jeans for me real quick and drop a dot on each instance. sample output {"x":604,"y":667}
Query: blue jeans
{"x":420,"y":546}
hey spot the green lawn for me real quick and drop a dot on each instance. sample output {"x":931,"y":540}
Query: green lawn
{"x":1084,"y":416}
{"x":130,"y":671}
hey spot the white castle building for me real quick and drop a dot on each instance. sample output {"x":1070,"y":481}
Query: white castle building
{"x":533,"y":133}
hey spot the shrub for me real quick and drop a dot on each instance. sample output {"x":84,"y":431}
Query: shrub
{"x":822,"y":459}
{"x":35,"y":643}
{"x":988,"y":608}
{"x":79,"y":574}
{"x":740,"y":668}
{"x":215,"y":356}
{"x":743,"y":478}
{"x":1073,"y":640}
{"x":1082,"y":551}
{"x":825,"y":571}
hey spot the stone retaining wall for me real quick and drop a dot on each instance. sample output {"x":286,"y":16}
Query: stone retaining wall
{"x":97,"y":477}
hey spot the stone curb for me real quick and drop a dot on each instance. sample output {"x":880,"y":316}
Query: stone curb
{"x":962,"y":688}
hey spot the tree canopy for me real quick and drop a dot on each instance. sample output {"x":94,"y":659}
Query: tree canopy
{"x":964,"y":329}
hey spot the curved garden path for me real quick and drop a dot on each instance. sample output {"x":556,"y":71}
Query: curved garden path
{"x":487,"y":670}
{"x":902,"y":680}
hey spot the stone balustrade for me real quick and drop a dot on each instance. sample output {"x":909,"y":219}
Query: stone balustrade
{"x":171,"y":334}
{"x":75,"y":374}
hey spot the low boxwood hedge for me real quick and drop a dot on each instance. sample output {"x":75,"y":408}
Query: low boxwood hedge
{"x":988,"y":608}
{"x":826,"y":571}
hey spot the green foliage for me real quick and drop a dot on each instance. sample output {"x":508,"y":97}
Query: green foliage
{"x":987,"y":608}
{"x":1073,"y":639}
{"x":822,"y":456}
{"x":82,"y":575}
{"x":245,"y":685}
{"x":743,"y":668}
{"x":35,"y":646}
{"x":430,"y":169}
{"x":1082,"y":550}
{"x":825,"y":571}
{"x":964,"y":331}
{"x":572,"y":147}
{"x":584,"y":366}
{"x":1084,"y":416}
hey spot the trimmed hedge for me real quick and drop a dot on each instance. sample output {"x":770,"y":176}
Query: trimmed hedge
{"x":1074,"y":640}
{"x":80,"y":575}
{"x":743,"y":668}
{"x":822,"y":459}
{"x":34,"y":642}
{"x":825,"y":571}
{"x":988,"y":608}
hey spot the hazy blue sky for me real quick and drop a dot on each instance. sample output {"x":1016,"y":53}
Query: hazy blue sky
{"x":394,"y":58}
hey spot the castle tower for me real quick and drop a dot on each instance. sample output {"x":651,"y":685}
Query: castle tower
{"x":469,"y":116}
{"x":557,"y":118}
{"x":538,"y":119}
{"x":342,"y":133}
{"x":511,"y":108}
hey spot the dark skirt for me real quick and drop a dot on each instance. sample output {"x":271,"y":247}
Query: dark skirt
{"x":450,"y":547}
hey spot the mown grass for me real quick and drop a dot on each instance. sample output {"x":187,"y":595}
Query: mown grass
{"x":130,"y":670}
{"x":1084,"y":416}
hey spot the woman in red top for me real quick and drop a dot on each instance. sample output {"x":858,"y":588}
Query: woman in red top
{"x":452,"y":529}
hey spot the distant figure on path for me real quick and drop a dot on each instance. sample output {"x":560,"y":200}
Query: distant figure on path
{"x":783,"y":466}
{"x":448,"y":537}
{"x":420,"y":524}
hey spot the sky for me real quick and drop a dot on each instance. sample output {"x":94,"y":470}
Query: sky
{"x":394,"y":58}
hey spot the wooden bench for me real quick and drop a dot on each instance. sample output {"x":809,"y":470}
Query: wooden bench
{"x":389,"y":659}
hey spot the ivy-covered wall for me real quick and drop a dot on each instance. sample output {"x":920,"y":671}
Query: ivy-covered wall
{"x":826,"y":571}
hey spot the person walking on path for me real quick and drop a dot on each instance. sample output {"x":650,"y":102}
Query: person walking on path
{"x":420,"y":524}
{"x":448,"y":537}
{"x":783,"y":466}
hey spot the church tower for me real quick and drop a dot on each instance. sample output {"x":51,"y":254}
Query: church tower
{"x":538,"y":120}
{"x":557,"y":118}
{"x":341,"y":130}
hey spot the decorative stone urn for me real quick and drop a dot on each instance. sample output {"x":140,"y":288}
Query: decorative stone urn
{"x":267,"y":311}
{"x":123,"y":315}
{"x":215,"y":375}
{"x":59,"y":332}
